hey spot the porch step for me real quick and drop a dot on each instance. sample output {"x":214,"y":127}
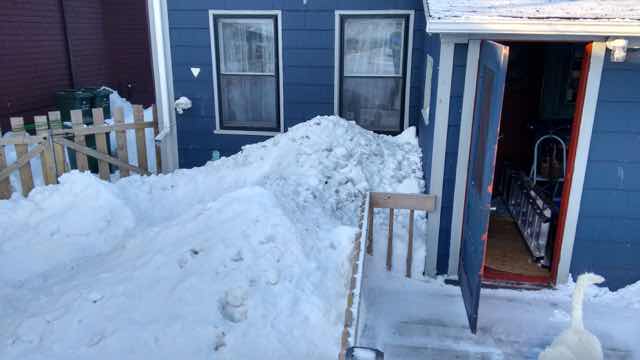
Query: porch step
{"x":404,"y":352}
{"x":429,"y":339}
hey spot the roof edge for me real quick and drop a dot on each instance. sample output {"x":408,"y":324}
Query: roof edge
{"x":535,"y":27}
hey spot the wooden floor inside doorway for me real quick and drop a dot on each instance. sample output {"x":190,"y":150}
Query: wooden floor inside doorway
{"x":507,"y":252}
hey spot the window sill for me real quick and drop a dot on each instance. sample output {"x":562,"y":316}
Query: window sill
{"x":247,"y":132}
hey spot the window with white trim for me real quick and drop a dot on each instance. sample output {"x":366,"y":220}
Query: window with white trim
{"x":373,"y":70}
{"x":246,"y":51}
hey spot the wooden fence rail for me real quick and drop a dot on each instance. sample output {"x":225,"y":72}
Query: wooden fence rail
{"x":51,"y":141}
{"x":393,"y":202}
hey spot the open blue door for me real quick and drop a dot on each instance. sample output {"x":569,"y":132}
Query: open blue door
{"x":492,"y":72}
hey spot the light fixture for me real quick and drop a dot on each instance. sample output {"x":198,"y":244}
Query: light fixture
{"x":618,"y":49}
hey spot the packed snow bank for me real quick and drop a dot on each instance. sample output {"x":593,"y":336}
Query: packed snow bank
{"x":244,"y":258}
{"x":115,"y":101}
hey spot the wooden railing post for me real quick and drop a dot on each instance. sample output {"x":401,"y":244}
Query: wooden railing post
{"x":390,"y":240}
{"x":101,"y":144}
{"x":81,"y":158}
{"x":369,"y":239}
{"x":5,"y":184}
{"x":141,"y":139}
{"x":121,"y":141}
{"x":410,"y":243}
{"x":156,"y":131}
{"x":55,"y":123}
{"x":26,"y":176}
{"x":46,"y":159}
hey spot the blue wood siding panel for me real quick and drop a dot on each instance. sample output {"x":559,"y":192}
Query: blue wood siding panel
{"x":451,"y":155}
{"x":425,"y":132}
{"x":608,"y":234}
{"x":308,"y":65}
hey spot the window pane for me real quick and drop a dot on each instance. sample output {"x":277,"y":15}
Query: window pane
{"x":246,"y":45}
{"x":373,"y":46}
{"x":374,"y":103}
{"x":248,"y":102}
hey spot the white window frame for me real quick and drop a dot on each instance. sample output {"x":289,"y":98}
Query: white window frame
{"x":338,"y":55}
{"x":248,"y":13}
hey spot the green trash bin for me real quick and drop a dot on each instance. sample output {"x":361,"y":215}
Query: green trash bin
{"x":67,"y":100}
{"x":100,"y":99}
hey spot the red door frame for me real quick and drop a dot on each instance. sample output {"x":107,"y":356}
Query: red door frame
{"x":566,"y":190}
{"x":573,"y":149}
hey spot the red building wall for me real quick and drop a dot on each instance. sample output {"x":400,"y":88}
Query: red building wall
{"x":108,"y":45}
{"x":33,"y":57}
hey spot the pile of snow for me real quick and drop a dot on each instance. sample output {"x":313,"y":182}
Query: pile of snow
{"x":115,"y":101}
{"x":244,"y":258}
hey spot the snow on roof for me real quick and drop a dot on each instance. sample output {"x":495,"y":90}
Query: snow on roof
{"x":617,"y":10}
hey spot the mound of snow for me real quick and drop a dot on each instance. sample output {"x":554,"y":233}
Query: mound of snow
{"x":244,"y":258}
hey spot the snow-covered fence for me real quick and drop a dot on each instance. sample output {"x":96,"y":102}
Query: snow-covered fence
{"x":52,"y":140}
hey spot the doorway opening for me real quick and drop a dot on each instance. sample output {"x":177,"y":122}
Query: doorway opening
{"x":542,"y":92}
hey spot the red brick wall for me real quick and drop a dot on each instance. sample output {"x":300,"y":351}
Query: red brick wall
{"x":129,"y":49}
{"x":33,"y":59}
{"x":86,"y":31}
{"x":109,"y":45}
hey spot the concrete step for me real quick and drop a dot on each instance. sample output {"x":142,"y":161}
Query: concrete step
{"x":407,"y":352}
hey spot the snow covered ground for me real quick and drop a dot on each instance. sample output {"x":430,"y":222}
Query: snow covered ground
{"x":244,"y":258}
{"x":412,"y":319}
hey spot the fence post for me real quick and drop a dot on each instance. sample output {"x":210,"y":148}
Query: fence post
{"x":141,"y":139}
{"x":26,"y":176}
{"x":390,"y":240}
{"x":121,"y":140}
{"x":101,"y":144}
{"x":410,"y":244}
{"x":55,"y":123}
{"x":46,"y":159}
{"x":156,"y":131}
{"x":81,"y":159}
{"x":5,"y":185}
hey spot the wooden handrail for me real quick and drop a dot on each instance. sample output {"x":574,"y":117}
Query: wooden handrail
{"x":393,"y":202}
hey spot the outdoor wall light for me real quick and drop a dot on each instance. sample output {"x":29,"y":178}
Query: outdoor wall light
{"x":618,"y":49}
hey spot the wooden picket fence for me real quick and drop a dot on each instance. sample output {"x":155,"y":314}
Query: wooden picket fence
{"x":51,"y":141}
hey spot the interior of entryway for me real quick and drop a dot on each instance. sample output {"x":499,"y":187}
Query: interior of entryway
{"x":540,"y":98}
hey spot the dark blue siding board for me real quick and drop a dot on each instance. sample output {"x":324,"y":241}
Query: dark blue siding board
{"x":618,"y":119}
{"x":608,"y":234}
{"x":190,"y":37}
{"x":309,"y":57}
{"x":308,"y":65}
{"x":613,"y":175}
{"x":189,"y":19}
{"x":308,"y":39}
{"x":425,"y":132}
{"x":615,"y":146}
{"x":451,"y":155}
{"x":192,"y":56}
{"x":304,"y":75}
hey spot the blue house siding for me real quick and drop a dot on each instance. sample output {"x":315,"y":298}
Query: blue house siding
{"x":608,"y":234}
{"x":451,"y":155}
{"x":425,"y":132}
{"x":308,"y":65}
